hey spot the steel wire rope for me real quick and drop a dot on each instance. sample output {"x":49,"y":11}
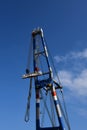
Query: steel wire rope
{"x":52,"y":108}
{"x":40,"y":60}
{"x":45,"y":98}
{"x":29,"y":54}
{"x":43,"y":113}
{"x":63,"y":113}
{"x":36,"y":51}
{"x":65,"y":109}
{"x":47,"y":110}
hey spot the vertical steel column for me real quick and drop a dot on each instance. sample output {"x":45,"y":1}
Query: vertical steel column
{"x":36,"y":88}
{"x":37,"y":109}
{"x":46,"y":54}
{"x":57,"y":106}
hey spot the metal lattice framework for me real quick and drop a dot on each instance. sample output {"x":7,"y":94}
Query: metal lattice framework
{"x":43,"y":79}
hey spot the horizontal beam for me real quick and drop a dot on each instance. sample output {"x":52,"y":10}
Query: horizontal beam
{"x":49,"y":128}
{"x":34,"y":75}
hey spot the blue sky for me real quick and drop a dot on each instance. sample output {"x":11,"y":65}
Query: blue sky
{"x":65,"y":29}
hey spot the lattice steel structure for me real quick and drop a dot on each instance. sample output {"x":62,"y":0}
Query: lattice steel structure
{"x":43,"y":78}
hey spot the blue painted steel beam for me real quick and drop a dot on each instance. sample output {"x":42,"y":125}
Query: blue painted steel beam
{"x":49,"y":128}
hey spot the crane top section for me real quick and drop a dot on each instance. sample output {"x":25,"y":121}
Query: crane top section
{"x":41,"y":64}
{"x":37,"y":31}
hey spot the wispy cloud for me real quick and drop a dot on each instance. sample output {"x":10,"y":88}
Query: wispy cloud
{"x":72,"y":55}
{"x":73,"y":77}
{"x":75,"y":83}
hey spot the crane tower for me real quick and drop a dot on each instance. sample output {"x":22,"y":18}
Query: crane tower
{"x":44,"y":82}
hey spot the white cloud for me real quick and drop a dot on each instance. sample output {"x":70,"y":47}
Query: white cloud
{"x":76,"y":84}
{"x":65,"y":77}
{"x":73,"y":76}
{"x":72,"y":55}
{"x":81,"y":54}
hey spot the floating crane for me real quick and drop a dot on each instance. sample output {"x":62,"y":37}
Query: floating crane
{"x":45,"y":85}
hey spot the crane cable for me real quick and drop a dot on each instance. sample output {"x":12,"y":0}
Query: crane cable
{"x":47,"y":109}
{"x":29,"y":54}
{"x":43,"y":113}
{"x":65,"y":109}
{"x":28,"y":103}
{"x":64,"y":115}
{"x":52,"y":108}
